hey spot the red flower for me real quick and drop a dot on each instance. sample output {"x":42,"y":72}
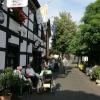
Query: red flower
{"x":19,"y":14}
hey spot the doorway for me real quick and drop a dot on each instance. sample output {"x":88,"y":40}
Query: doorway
{"x":13,"y":55}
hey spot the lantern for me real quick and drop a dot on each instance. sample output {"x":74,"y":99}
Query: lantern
{"x":1,"y":17}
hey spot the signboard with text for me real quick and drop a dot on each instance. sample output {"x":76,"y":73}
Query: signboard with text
{"x":17,"y":3}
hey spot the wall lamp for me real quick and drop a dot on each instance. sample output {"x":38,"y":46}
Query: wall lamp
{"x":37,"y":44}
{"x":1,"y":13}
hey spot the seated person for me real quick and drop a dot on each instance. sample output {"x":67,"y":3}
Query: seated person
{"x":30,"y":73}
{"x":17,"y":72}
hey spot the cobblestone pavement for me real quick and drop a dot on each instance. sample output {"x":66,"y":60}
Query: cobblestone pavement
{"x":75,"y":85}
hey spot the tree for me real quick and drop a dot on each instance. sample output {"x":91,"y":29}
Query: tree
{"x":90,"y":30}
{"x":64,"y":32}
{"x":77,"y":46}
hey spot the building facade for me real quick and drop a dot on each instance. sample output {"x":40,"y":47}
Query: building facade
{"x":20,"y":42}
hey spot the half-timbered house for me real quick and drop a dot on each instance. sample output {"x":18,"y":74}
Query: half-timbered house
{"x":21,"y":38}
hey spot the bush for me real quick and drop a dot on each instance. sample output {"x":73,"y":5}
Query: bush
{"x":8,"y":70}
{"x":5,"y":77}
{"x":11,"y":82}
{"x":96,"y":72}
{"x":16,"y":84}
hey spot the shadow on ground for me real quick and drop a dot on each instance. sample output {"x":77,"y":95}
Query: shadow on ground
{"x":63,"y":73}
{"x":61,"y":95}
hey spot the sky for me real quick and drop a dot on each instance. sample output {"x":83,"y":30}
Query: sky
{"x":75,"y":7}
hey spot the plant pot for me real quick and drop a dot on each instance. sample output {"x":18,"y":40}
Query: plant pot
{"x":6,"y":97}
{"x":97,"y":81}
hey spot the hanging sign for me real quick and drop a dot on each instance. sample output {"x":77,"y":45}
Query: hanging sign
{"x":17,"y":3}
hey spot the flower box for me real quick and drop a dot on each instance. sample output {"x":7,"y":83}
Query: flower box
{"x":18,"y":14}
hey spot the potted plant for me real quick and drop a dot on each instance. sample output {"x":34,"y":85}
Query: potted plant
{"x":18,"y":14}
{"x":5,"y":93}
{"x":97,"y":74}
{"x":17,"y":85}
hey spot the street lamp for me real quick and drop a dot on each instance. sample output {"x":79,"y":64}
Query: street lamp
{"x":1,"y":13}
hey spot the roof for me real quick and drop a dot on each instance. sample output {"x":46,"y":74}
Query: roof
{"x":36,"y":3}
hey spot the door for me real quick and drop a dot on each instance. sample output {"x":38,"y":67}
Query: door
{"x":13,"y":56}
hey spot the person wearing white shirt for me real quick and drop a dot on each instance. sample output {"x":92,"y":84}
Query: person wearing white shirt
{"x":65,"y":63}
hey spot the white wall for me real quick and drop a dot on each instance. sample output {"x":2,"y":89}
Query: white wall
{"x":31,"y":16}
{"x":30,"y":35}
{"x":14,"y":40}
{"x":2,"y":39}
{"x":39,"y":31}
{"x":13,"y":25}
{"x":35,"y":37}
{"x":30,"y":25}
{"x":23,"y":46}
{"x":30,"y":48}
{"x":22,"y":60}
{"x":25,"y":23}
{"x":2,"y":60}
{"x":25,"y":9}
{"x":23,"y":31}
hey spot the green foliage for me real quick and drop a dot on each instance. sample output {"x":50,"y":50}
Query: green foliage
{"x":8,"y":70}
{"x":5,"y":76}
{"x":90,"y":28}
{"x":16,"y":84}
{"x":11,"y":82}
{"x":83,"y":41}
{"x":65,"y":30}
{"x":77,"y":46}
{"x":96,"y":72}
{"x":87,"y":39}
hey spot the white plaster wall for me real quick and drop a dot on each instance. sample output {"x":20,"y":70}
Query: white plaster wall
{"x":31,"y":16}
{"x":38,"y":16}
{"x":39,"y":39}
{"x":23,"y":46}
{"x":30,"y":25}
{"x":14,"y":40}
{"x":39,"y":33}
{"x":35,"y":37}
{"x":2,"y":39}
{"x":25,"y":23}
{"x":2,"y":60}
{"x":13,"y":25}
{"x":30,"y":48}
{"x":22,"y":60}
{"x":23,"y":31}
{"x":30,"y":35}
{"x":25,"y":9}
